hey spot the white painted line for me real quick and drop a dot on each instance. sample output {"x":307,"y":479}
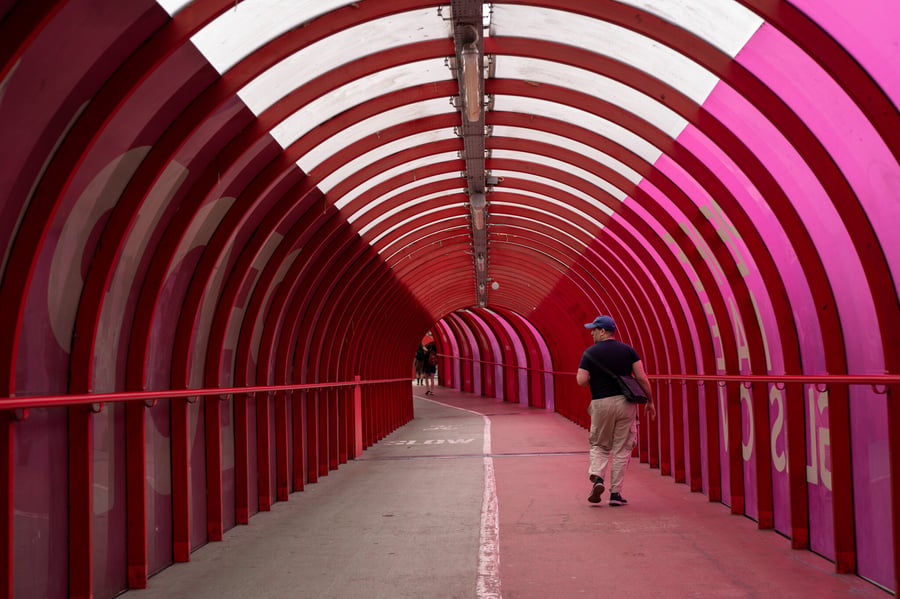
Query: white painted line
{"x":488,"y":581}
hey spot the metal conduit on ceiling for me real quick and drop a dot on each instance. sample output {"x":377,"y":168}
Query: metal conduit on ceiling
{"x":216,"y":193}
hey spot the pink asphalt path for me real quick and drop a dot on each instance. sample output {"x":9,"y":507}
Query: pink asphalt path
{"x":667,"y":542}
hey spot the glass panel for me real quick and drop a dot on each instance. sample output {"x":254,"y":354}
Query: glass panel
{"x":173,"y":6}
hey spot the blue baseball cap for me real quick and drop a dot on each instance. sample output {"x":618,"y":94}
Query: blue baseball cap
{"x":602,"y":322}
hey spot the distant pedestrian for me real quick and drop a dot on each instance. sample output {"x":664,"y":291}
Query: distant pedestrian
{"x":419,"y":364}
{"x":431,"y":362}
{"x":613,"y":418}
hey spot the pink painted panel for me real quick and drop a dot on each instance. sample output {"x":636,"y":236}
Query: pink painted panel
{"x":843,"y":129}
{"x":768,"y":144}
{"x":871,"y":170}
{"x":521,"y":359}
{"x":700,"y":197}
{"x":674,"y":351}
{"x":868,"y":30}
{"x":694,"y":344}
{"x":519,"y":351}
{"x":453,"y":349}
{"x":777,"y":242}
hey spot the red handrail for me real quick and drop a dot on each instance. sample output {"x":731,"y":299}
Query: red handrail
{"x":43,"y":401}
{"x":849,"y":379}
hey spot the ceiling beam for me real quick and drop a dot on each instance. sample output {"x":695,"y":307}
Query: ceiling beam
{"x":468,"y":27}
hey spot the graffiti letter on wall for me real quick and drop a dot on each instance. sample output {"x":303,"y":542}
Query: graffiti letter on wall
{"x":776,"y":398}
{"x":716,"y":336}
{"x":683,"y":259}
{"x":819,"y":440}
{"x":727,"y":233}
{"x":705,"y":252}
{"x":743,"y":349}
{"x":747,"y":447}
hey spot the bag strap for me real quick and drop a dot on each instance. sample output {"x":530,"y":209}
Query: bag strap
{"x":601,"y":366}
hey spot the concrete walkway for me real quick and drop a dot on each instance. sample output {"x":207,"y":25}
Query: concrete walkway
{"x":478,"y":498}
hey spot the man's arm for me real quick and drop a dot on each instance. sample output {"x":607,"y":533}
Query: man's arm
{"x":641,"y":377}
{"x":582,"y":377}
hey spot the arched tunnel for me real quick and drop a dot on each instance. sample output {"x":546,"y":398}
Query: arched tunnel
{"x":228,"y":225}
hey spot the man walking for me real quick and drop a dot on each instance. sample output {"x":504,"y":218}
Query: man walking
{"x":613,"y":418}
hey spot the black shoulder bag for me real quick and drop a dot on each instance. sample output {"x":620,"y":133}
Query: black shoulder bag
{"x":630,"y":388}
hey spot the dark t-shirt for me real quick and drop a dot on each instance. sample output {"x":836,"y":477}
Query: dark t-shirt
{"x":421,"y":354}
{"x":615,"y":356}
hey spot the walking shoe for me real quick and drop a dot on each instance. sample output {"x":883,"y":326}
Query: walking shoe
{"x":597,"y":491}
{"x":616,"y":499}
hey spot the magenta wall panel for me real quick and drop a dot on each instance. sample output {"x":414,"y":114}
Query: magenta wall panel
{"x":867,"y":29}
{"x":454,"y":377}
{"x":862,"y":157}
{"x":698,"y":196}
{"x":678,"y":347}
{"x":772,"y":232}
{"x":871,"y":171}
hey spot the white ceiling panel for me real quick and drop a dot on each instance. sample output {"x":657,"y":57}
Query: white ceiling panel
{"x":361,"y":90}
{"x":374,"y":126}
{"x":339,"y":49}
{"x":251,"y":24}
{"x":542,"y":71}
{"x":586,"y":120}
{"x":609,"y":40}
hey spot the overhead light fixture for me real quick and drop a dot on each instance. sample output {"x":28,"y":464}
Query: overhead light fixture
{"x":478,"y":203}
{"x":471,"y":74}
{"x":478,"y":217}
